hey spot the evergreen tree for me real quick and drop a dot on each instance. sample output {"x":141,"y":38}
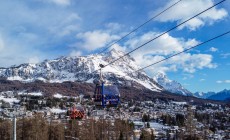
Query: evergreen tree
{"x":180,"y":119}
{"x":148,"y":125}
{"x":145,"y":118}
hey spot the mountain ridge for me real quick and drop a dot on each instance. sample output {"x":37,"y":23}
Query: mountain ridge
{"x":204,"y":95}
{"x":86,"y":69}
{"x":80,"y":69}
{"x":171,"y":85}
{"x":221,"y":95}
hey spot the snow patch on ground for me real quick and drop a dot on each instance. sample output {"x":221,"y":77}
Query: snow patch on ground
{"x":57,"y":110}
{"x":30,"y":93}
{"x":180,"y":103}
{"x":15,"y":78}
{"x":90,"y":80}
{"x":9,"y":100}
{"x":156,"y":126}
{"x":57,"y":95}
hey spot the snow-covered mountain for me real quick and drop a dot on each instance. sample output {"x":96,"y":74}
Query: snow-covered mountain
{"x":81,"y":69}
{"x":171,"y":85}
{"x":203,"y":94}
{"x":222,"y":95}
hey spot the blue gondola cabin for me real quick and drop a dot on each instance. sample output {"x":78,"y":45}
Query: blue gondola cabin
{"x":106,"y":95}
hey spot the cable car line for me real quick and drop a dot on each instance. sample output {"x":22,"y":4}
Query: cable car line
{"x":138,"y":27}
{"x":106,"y":95}
{"x":161,"y":34}
{"x":164,"y":33}
{"x":223,"y":34}
{"x":216,"y":37}
{"x":102,"y":92}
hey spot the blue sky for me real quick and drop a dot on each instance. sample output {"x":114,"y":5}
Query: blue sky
{"x":34,"y":30}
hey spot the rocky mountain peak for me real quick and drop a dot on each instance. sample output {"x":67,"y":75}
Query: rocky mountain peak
{"x":114,"y":53}
{"x":81,"y":68}
{"x":170,"y":85}
{"x":161,"y":76}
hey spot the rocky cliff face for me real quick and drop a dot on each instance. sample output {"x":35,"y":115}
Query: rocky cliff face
{"x":171,"y":85}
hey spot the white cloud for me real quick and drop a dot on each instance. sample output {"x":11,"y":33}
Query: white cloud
{"x":118,"y":47}
{"x":25,"y":35}
{"x":94,"y":39}
{"x":202,"y":80}
{"x":225,"y":55}
{"x":191,"y":43}
{"x":47,"y":34}
{"x":33,"y":60}
{"x":143,"y":61}
{"x":223,"y":81}
{"x":188,"y":8}
{"x":166,"y":46}
{"x":75,"y":53}
{"x":192,"y":24}
{"x":191,"y":62}
{"x":64,"y":30}
{"x":113,"y":26}
{"x":66,"y":26}
{"x":212,"y":49}
{"x":62,"y":2}
{"x":187,"y":76}
{"x":57,"y":2}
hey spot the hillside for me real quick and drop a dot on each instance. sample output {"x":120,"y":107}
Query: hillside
{"x":75,"y":88}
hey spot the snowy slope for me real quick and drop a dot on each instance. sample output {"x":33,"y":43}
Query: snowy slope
{"x":81,"y":68}
{"x":171,"y":85}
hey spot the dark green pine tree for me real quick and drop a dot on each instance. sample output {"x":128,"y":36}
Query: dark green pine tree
{"x":148,"y":125}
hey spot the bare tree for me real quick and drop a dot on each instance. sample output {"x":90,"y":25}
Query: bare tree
{"x":5,"y":130}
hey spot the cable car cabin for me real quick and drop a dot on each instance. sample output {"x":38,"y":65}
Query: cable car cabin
{"x":106,"y":96}
{"x":76,"y":112}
